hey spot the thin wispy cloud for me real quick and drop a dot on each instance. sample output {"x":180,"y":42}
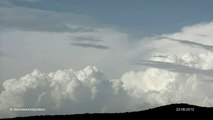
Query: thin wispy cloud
{"x":188,"y":42}
{"x":87,"y":38}
{"x":88,"y":41}
{"x":175,"y":67}
{"x":90,"y":45}
{"x":203,"y":35}
{"x":80,"y":28}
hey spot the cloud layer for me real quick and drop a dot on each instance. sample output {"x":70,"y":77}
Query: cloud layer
{"x":133,"y":75}
{"x":175,"y":72}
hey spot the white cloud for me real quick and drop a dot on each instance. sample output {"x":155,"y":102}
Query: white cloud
{"x":181,"y":73}
{"x":47,"y":40}
{"x":176,"y":73}
{"x":60,"y":92}
{"x":172,"y":67}
{"x":88,"y":90}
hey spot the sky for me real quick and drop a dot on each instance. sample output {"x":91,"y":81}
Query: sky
{"x":104,"y":56}
{"x":140,"y":15}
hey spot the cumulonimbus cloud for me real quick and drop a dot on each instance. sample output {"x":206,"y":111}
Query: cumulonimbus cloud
{"x":173,"y":76}
{"x":60,"y":92}
{"x":177,"y":71}
{"x":88,"y":90}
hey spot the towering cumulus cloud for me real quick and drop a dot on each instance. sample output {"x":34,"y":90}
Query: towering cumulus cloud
{"x":179,"y":69}
{"x":60,"y":92}
{"x":176,"y":68}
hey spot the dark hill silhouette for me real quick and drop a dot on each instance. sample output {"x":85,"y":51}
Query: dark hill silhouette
{"x":173,"y":110}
